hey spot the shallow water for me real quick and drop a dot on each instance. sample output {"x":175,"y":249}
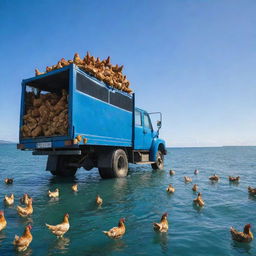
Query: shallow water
{"x":140,"y":198}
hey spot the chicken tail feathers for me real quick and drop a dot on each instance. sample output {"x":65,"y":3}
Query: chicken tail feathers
{"x":48,"y":226}
{"x":16,"y":238}
{"x":105,"y":232}
{"x":157,"y":226}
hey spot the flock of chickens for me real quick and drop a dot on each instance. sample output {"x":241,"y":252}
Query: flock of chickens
{"x":103,"y":70}
{"x":246,"y":236}
{"x":22,"y":242}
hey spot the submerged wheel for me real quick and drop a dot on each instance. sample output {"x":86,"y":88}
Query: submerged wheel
{"x":159,"y":164}
{"x":62,"y":169}
{"x":118,"y":165}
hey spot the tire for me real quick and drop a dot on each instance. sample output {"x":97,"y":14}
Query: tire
{"x":63,"y":170}
{"x":159,"y":164}
{"x":119,"y":166}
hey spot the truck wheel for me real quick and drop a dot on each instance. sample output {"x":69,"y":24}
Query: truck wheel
{"x":62,"y":168}
{"x":119,"y":166}
{"x":159,"y":164}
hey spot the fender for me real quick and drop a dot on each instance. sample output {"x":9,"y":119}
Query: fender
{"x":156,"y":144}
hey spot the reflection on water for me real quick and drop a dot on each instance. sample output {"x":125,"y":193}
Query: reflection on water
{"x":59,"y":245}
{"x":241,"y":247}
{"x":161,"y":238}
{"x":28,"y":252}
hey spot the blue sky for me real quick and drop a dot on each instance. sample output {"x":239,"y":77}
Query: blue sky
{"x":194,"y":60}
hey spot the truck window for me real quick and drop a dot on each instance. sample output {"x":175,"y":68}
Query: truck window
{"x":138,"y":118}
{"x":147,"y":122}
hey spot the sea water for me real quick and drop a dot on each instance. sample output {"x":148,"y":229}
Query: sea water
{"x":141,"y":198}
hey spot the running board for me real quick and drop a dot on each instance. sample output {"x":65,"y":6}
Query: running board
{"x":146,"y":162}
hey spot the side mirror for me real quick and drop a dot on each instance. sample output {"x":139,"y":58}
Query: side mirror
{"x":159,"y":124}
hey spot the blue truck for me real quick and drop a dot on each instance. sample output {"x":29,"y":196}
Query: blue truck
{"x":112,"y":132}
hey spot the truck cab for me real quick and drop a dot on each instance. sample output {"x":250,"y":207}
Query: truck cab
{"x":103,"y":128}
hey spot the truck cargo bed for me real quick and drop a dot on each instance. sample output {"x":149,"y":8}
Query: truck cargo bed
{"x":100,"y":114}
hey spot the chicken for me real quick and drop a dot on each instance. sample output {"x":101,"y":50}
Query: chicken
{"x":54,"y":194}
{"x":3,"y":222}
{"x":170,"y":189}
{"x":245,"y":237}
{"x":252,"y":191}
{"x":79,"y":138}
{"x":8,"y":181}
{"x":59,"y":65}
{"x":116,"y":232}
{"x":22,"y":243}
{"x":77,"y":60}
{"x":163,"y":225}
{"x":25,"y":199}
{"x":196,"y":172}
{"x":214,"y":177}
{"x":234,"y":179}
{"x":38,"y":73}
{"x":172,"y":172}
{"x":9,"y":200}
{"x":48,"y":69}
{"x":195,"y":187}
{"x":75,"y":187}
{"x":99,"y":200}
{"x":187,"y":179}
{"x":25,"y":211}
{"x":199,"y":200}
{"x":117,"y":69}
{"x":64,"y":62}
{"x":60,"y":229}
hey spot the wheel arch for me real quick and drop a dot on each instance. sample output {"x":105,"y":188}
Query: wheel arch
{"x":158,"y":144}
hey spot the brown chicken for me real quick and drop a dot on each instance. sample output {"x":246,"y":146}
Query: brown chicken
{"x":116,"y":232}
{"x":22,"y":243}
{"x":3,"y":222}
{"x":54,"y":194}
{"x":170,"y":189}
{"x":234,"y":179}
{"x":8,"y":181}
{"x":25,"y":199}
{"x":25,"y":211}
{"x":64,"y":62}
{"x":252,"y":191}
{"x":77,"y":60}
{"x":214,"y":177}
{"x":38,"y":73}
{"x":75,"y":187}
{"x":245,"y":237}
{"x":195,"y":187}
{"x":9,"y":200}
{"x":60,"y":229}
{"x":199,"y":200}
{"x":172,"y":172}
{"x":163,"y":225}
{"x":99,"y":200}
{"x":187,"y":179}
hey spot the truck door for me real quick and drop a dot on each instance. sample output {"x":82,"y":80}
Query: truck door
{"x":139,"y":135}
{"x":147,"y":131}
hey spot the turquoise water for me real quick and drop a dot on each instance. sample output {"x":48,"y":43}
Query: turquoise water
{"x":140,"y":198}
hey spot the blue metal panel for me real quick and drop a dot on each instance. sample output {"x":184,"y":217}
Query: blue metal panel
{"x":22,"y":106}
{"x":32,"y":144}
{"x":100,"y":122}
{"x":25,"y":81}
